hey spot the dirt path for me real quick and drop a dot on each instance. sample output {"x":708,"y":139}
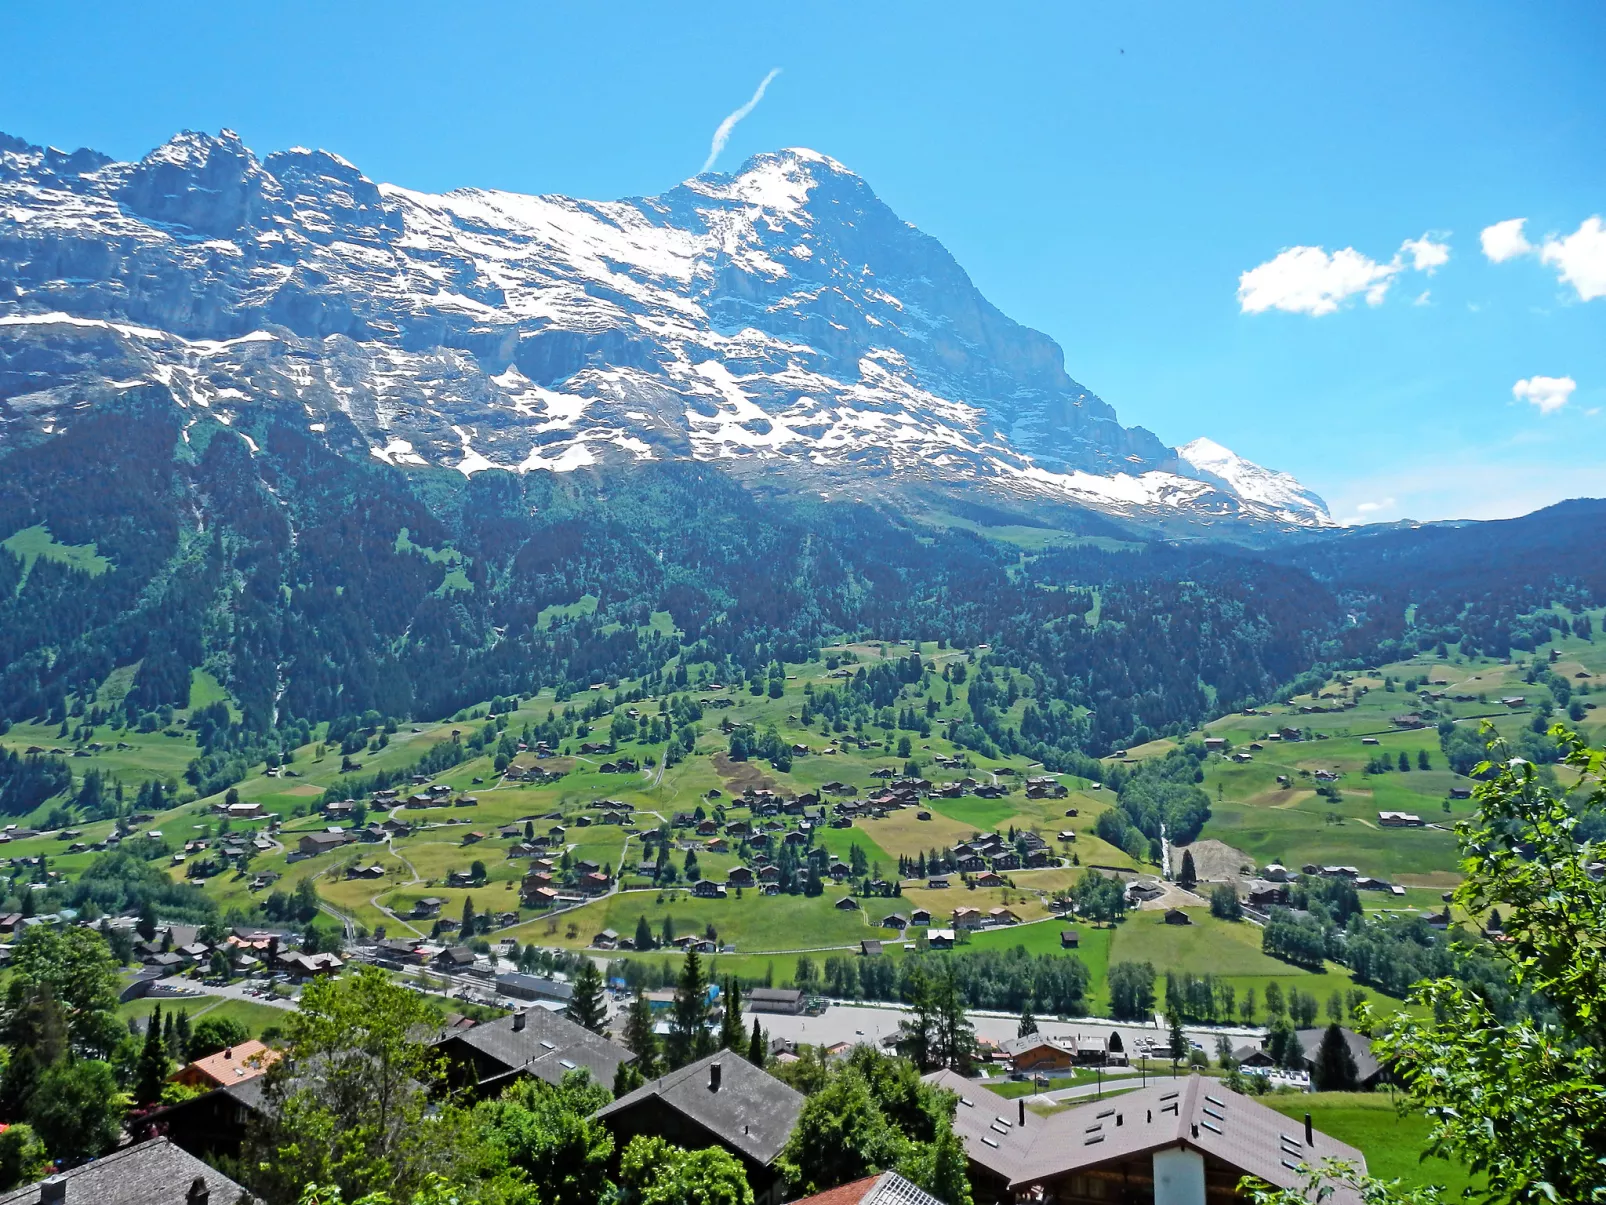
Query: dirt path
{"x":390,"y":846}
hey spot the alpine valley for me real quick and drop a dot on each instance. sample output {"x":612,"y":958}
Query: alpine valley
{"x":348,"y":448}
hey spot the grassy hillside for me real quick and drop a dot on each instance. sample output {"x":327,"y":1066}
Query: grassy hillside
{"x":1250,"y":811}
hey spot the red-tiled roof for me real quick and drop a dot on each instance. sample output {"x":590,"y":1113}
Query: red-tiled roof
{"x":232,"y":1066}
{"x":842,"y":1194}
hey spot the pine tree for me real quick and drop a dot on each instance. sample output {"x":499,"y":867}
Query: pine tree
{"x":467,"y":929}
{"x":1334,"y":1069}
{"x":145,"y":926}
{"x":1282,"y":1043}
{"x":731,"y":1034}
{"x":639,"y":1036}
{"x":1187,"y":877}
{"x":588,"y":1006}
{"x":643,"y":934}
{"x":150,"y":1072}
{"x":181,"y":1032}
{"x":1028,"y":1023}
{"x":626,"y":1079}
{"x":1179,"y":1040}
{"x":918,"y":1034}
{"x":958,"y":1036}
{"x":758,"y":1046}
{"x":689,"y":1038}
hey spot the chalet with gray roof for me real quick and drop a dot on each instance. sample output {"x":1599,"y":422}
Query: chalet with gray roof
{"x":722,"y":1100}
{"x":489,"y":1056}
{"x":153,"y":1172}
{"x":1181,"y":1141}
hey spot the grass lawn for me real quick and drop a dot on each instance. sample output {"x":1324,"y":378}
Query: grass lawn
{"x":841,"y":840}
{"x":31,"y":543}
{"x":977,"y":815}
{"x":1368,"y":1121}
{"x":255,"y":1017}
{"x":754,"y":923}
{"x":1227,"y":949}
{"x":1009,"y":1089}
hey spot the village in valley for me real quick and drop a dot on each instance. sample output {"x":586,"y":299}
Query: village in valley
{"x":804,"y":836}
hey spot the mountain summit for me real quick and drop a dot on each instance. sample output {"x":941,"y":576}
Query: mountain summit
{"x":778,"y":319}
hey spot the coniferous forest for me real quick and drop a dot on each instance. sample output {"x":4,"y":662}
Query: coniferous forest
{"x":318,"y":586}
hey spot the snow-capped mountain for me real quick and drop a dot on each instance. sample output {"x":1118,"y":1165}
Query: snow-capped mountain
{"x":778,"y":319}
{"x":1277,"y":491}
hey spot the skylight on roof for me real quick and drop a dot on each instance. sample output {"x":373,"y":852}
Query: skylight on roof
{"x":1214,"y":1129}
{"x":990,"y":1141}
{"x":566,"y":1064}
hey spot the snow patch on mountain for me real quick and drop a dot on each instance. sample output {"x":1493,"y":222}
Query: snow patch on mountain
{"x":1278,"y":491}
{"x":777,"y":319}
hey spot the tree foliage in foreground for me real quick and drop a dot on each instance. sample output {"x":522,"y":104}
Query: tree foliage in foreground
{"x":350,"y":1099}
{"x":870,"y":1114}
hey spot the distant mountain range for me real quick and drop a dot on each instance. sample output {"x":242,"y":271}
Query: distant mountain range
{"x":780,"y":321}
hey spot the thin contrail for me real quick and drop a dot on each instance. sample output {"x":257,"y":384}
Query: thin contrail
{"x":722,"y":135}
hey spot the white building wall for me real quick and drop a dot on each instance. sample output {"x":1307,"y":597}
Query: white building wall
{"x":1179,"y":1177}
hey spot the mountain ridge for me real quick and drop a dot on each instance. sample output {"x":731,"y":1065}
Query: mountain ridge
{"x":780,"y":319}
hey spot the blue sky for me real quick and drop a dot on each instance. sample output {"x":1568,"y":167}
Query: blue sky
{"x":1107,"y":174}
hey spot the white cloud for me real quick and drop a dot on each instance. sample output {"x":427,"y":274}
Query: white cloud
{"x":1307,"y":280}
{"x":723,"y":133}
{"x":1424,"y":298}
{"x":1505,"y":240}
{"x":1581,"y":258}
{"x":1426,"y":255}
{"x":1549,"y":394}
{"x":1367,"y":512}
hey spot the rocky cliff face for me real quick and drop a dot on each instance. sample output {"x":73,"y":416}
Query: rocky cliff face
{"x":780,"y":319}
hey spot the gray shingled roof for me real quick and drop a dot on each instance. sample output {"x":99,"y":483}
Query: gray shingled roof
{"x":1195,"y":1112}
{"x":752,"y":1112}
{"x":154,"y":1172}
{"x":549,"y":1046}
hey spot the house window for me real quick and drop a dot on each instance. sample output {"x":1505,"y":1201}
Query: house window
{"x":1087,"y":1188}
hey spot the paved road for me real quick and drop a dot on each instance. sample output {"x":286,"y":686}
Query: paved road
{"x":869,"y":1023}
